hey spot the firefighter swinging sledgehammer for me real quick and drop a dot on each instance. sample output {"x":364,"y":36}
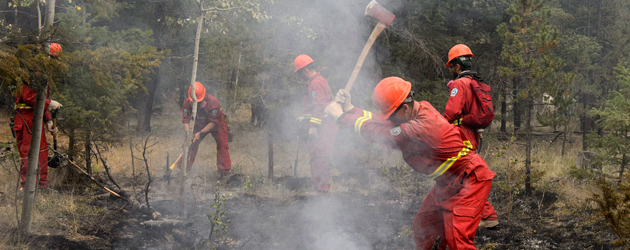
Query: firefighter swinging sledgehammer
{"x":210,"y":120}
{"x":432,"y":146}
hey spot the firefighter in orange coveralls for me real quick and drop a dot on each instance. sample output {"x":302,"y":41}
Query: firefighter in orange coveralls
{"x":210,"y":120}
{"x":321,"y":131}
{"x":24,"y":112}
{"x":459,"y":104}
{"x":432,"y":146}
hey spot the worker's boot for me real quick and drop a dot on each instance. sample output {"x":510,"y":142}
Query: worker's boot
{"x":489,"y":224}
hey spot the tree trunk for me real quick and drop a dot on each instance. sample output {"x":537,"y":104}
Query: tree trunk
{"x":599,"y":20}
{"x":585,"y":125}
{"x":504,"y":94}
{"x":624,"y":160}
{"x":71,"y":144}
{"x":24,"y":228}
{"x":146,"y":107}
{"x":88,"y":153}
{"x":193,"y":115}
{"x":515,"y":106}
{"x":528,"y":146}
{"x":564,"y":136}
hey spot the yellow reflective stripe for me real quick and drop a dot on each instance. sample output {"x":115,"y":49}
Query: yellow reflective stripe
{"x":457,"y":122}
{"x":316,"y":120}
{"x":357,"y":124}
{"x":22,"y":106}
{"x":468,"y":144}
{"x":449,"y":162}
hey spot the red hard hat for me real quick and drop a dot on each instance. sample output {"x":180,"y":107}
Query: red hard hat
{"x":55,"y":48}
{"x":457,"y":51}
{"x":301,"y":61}
{"x":200,"y":92}
{"x":389,"y":94}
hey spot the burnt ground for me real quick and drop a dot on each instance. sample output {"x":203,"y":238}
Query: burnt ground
{"x":343,"y":220}
{"x":332,"y":221}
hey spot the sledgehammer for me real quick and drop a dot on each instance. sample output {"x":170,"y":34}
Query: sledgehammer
{"x":385,"y":18}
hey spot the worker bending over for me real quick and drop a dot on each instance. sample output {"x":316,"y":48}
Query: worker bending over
{"x":432,"y":146}
{"x":210,"y":120}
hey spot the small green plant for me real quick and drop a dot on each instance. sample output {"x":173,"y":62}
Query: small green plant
{"x":248,"y":186}
{"x":219,"y":223}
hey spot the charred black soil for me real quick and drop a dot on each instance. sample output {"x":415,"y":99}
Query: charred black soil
{"x":341,"y":220}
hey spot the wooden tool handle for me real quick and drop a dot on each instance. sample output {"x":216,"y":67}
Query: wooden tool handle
{"x":366,"y":49}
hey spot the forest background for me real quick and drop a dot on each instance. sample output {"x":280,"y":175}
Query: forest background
{"x":557,"y":68}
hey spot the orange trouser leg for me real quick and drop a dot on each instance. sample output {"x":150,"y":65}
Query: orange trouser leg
{"x":455,"y":219}
{"x":23,"y":141}
{"x":488,"y":212}
{"x":224,"y":163}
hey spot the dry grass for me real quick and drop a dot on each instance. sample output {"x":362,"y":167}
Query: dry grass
{"x":59,"y":213}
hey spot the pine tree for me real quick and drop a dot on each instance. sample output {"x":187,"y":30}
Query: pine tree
{"x":529,"y":60}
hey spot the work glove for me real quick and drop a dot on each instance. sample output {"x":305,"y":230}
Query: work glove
{"x":50,"y":127}
{"x":334,"y":110}
{"x":54,"y":105}
{"x":343,"y":97}
{"x":312,"y":133}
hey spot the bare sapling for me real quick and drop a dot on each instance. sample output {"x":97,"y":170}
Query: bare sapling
{"x":149,"y":142}
{"x":104,"y":162}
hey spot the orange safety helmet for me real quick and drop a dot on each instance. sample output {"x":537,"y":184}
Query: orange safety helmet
{"x":200,"y":92}
{"x":55,"y":48}
{"x":389,"y":94}
{"x":457,"y":51}
{"x":301,"y":61}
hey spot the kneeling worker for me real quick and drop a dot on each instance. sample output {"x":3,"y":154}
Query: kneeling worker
{"x":432,"y":146}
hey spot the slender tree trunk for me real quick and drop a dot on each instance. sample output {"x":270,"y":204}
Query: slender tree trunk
{"x":24,"y":228}
{"x":88,"y":153}
{"x":528,"y":146}
{"x":515,"y":106}
{"x":39,"y":19}
{"x":504,"y":94}
{"x":193,"y":115}
{"x":585,"y":125}
{"x":599,"y":20}
{"x":71,"y":144}
{"x":146,"y":107}
{"x":564,"y":136}
{"x":624,"y":159}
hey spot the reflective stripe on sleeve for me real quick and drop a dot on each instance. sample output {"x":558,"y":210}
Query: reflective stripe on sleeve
{"x":316,"y":120}
{"x":22,"y":106}
{"x":448,"y":163}
{"x":457,"y":122}
{"x":367,"y":115}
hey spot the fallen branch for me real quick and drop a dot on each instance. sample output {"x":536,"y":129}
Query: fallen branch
{"x":92,"y":178}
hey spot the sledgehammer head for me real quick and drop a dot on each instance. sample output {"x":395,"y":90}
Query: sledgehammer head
{"x":377,"y":11}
